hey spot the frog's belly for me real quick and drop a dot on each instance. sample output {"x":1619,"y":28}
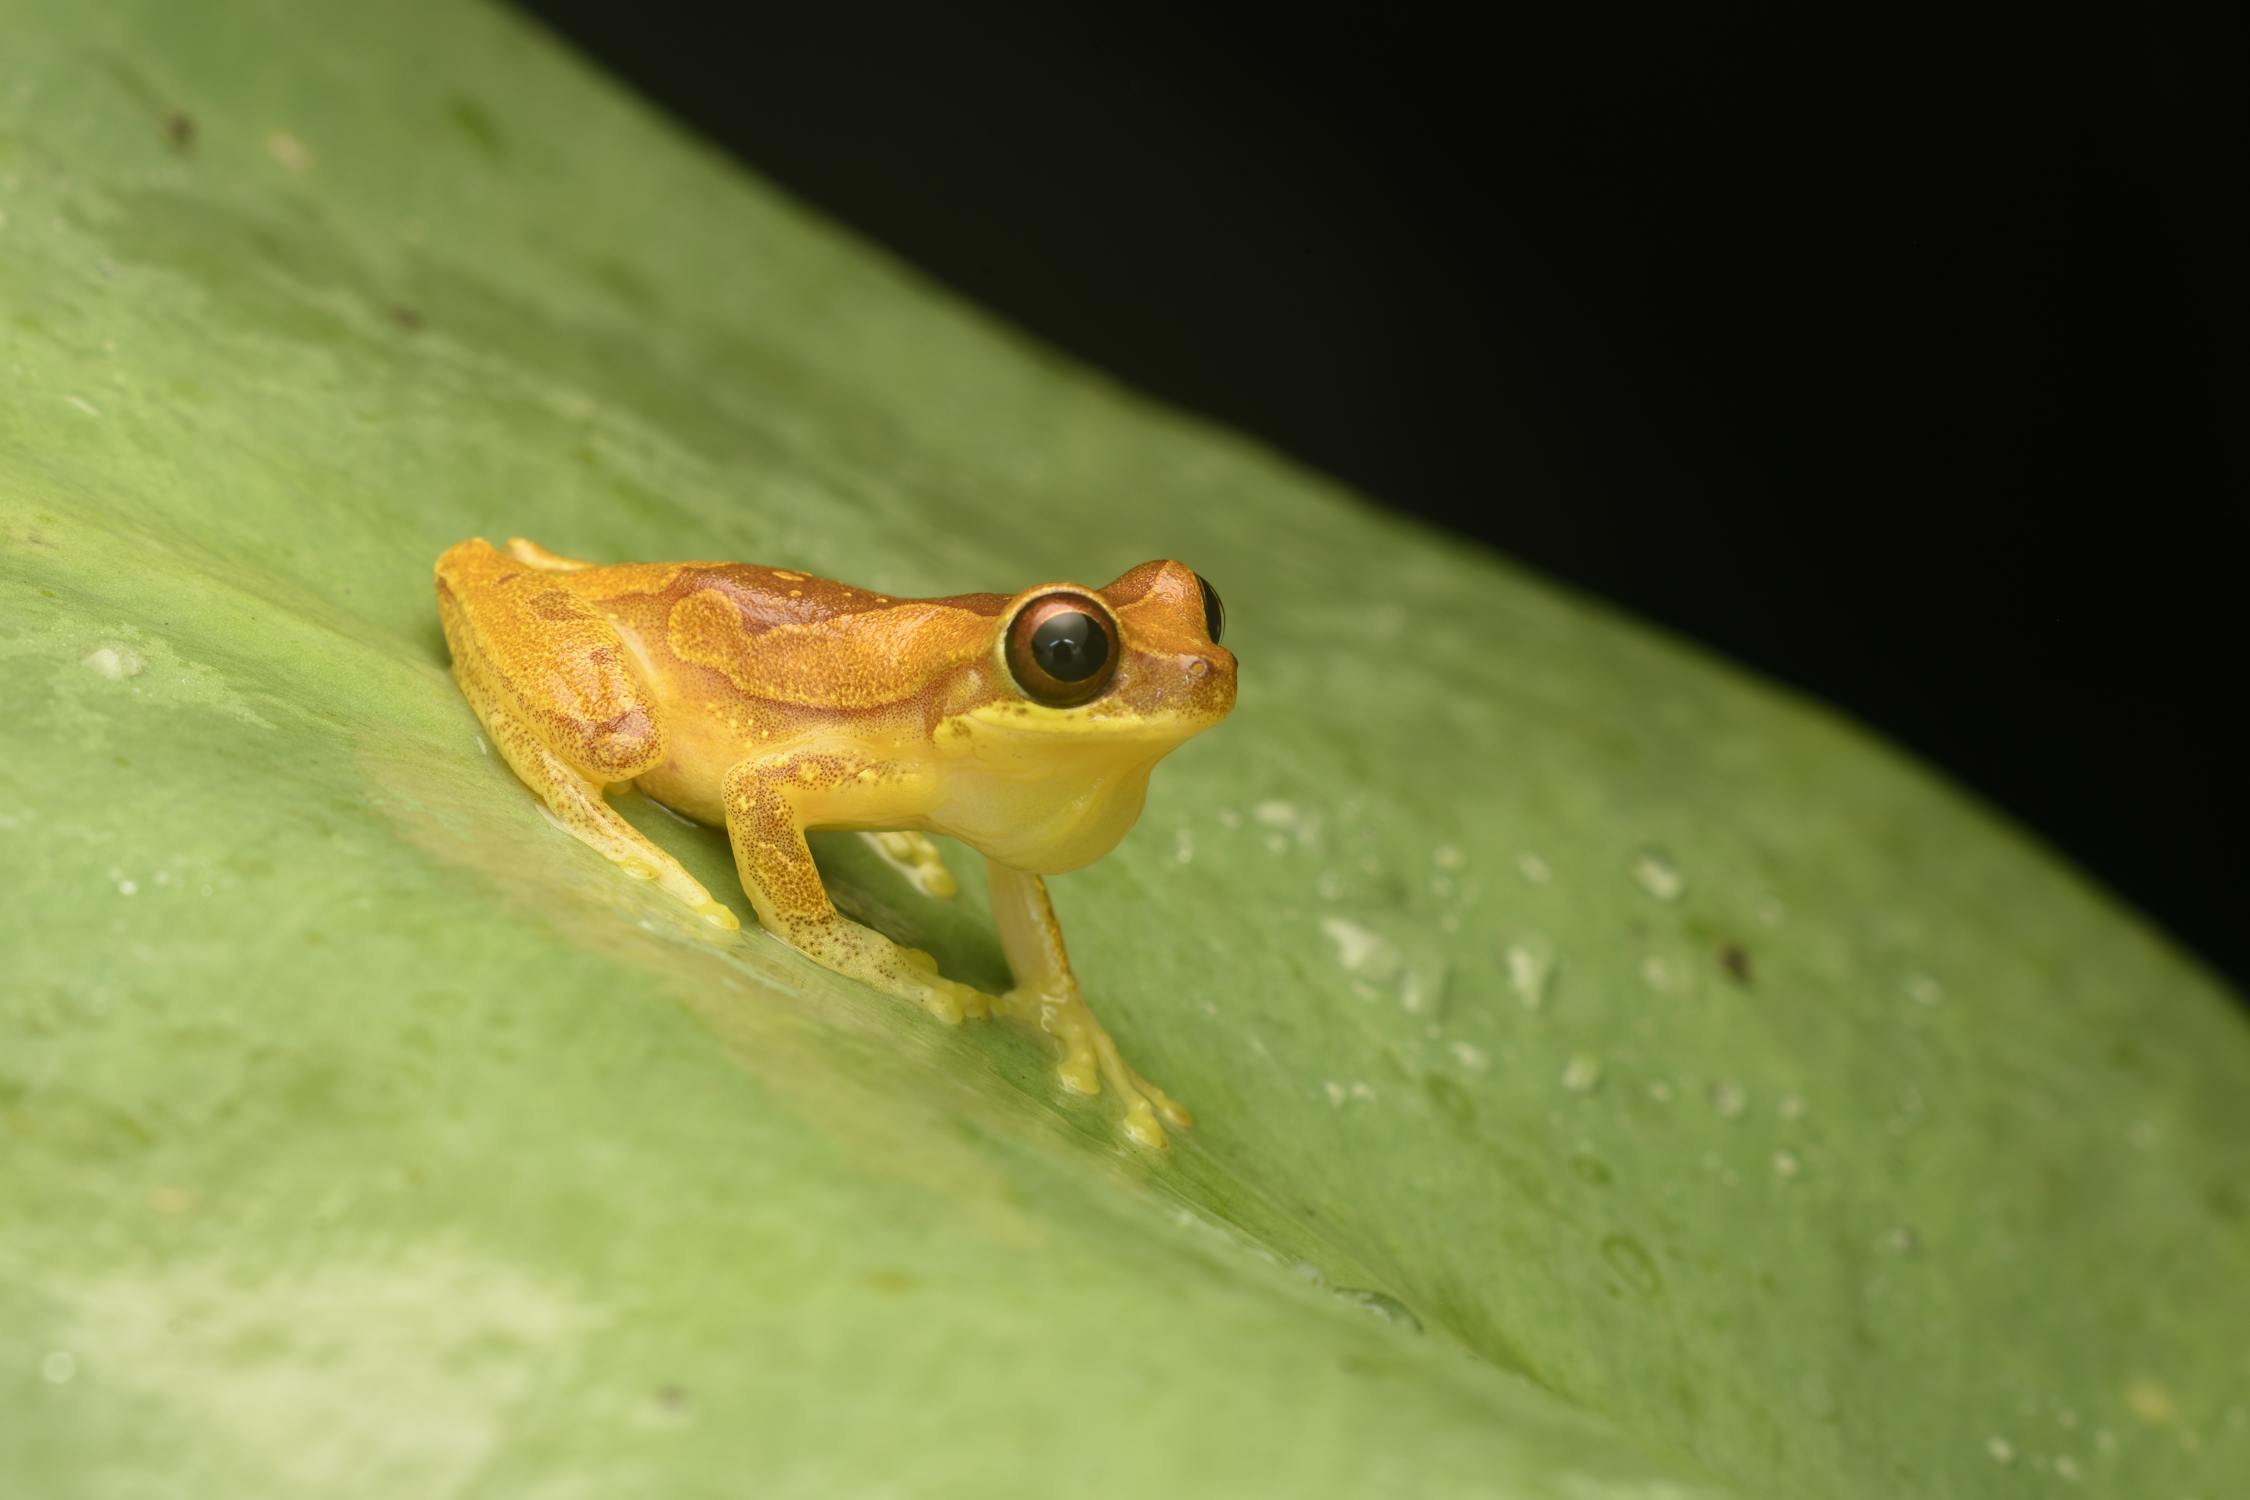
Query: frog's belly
{"x":1028,"y":826}
{"x":682,"y":799}
{"x":691,"y":779}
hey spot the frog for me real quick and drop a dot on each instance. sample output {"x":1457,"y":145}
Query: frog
{"x":773,"y":703}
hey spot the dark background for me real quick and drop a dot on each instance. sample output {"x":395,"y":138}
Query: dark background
{"x":1904,"y":359}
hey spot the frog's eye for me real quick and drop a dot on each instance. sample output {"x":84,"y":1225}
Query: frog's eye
{"x":1060,"y":649}
{"x":1214,"y":613}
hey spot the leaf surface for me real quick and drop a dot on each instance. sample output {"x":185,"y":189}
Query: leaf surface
{"x":1617,"y":1078}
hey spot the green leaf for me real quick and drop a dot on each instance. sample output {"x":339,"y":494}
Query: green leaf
{"x":1617,"y":1078}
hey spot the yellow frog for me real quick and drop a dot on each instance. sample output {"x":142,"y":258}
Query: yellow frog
{"x":772,"y":702}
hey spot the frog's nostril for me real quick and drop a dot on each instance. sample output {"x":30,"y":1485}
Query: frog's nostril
{"x":1199,"y":668}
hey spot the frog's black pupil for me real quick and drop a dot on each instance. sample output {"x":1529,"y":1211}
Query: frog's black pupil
{"x":1070,"y":647}
{"x":1214,"y":613}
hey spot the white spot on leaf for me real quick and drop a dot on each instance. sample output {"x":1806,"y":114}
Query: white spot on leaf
{"x":1361,"y":950}
{"x":1654,"y":872}
{"x":114,"y":662}
{"x":1530,"y":968}
{"x":291,"y":152}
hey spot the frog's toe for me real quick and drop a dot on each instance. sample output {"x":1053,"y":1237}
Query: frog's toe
{"x":953,"y":1003}
{"x":916,"y":857}
{"x":1132,"y":1084}
{"x":699,"y":901}
{"x":718,"y":915}
{"x":1167,"y":1106}
{"x":974,"y":1003}
{"x":1080,"y":1073}
{"x":1141,"y":1128}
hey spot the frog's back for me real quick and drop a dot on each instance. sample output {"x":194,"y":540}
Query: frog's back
{"x":789,"y":638}
{"x":773,"y":634}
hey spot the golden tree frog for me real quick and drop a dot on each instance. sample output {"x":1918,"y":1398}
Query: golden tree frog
{"x":771,"y":702}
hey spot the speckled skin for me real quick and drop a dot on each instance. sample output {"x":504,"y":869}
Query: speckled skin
{"x":773,"y":702}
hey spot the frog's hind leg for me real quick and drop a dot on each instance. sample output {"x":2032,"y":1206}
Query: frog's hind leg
{"x":598,"y":727}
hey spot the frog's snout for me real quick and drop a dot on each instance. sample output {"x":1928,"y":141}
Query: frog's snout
{"x":1209,"y":681}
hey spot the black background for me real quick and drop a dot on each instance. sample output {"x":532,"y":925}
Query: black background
{"x":1905,"y":359}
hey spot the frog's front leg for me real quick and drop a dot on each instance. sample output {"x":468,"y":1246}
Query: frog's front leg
{"x":769,"y":803}
{"x":1046,"y":996}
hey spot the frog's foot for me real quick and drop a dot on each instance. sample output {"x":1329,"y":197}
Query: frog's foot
{"x":903,"y":973}
{"x":577,"y":807}
{"x":669,"y":877}
{"x":1090,"y":1058}
{"x":948,"y":999}
{"x":915,"y":856}
{"x":717,"y":913}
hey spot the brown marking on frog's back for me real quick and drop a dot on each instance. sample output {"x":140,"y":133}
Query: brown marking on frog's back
{"x":771,"y":597}
{"x":785,"y":640}
{"x":816,"y":644}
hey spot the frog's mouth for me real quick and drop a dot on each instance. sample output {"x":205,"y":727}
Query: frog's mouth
{"x":1131,"y":734}
{"x":1158,"y":731}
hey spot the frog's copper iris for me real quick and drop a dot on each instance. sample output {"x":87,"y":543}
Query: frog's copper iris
{"x":1062,"y":649}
